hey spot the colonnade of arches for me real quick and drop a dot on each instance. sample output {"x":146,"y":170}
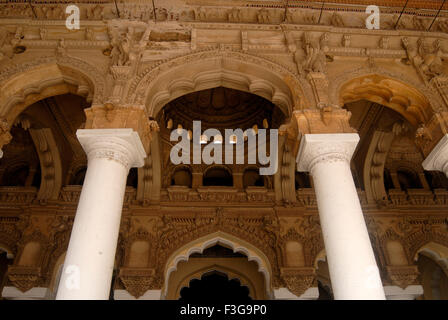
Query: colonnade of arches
{"x":55,"y":157}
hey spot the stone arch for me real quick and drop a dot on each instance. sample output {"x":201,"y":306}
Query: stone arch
{"x":231,"y":273}
{"x":225,"y":239}
{"x":222,"y":167}
{"x":435,"y":251}
{"x":432,"y":259}
{"x":28,"y":83}
{"x":427,"y":239}
{"x":180,"y":179}
{"x":7,"y":249}
{"x":410,"y":99}
{"x":209,"y":69}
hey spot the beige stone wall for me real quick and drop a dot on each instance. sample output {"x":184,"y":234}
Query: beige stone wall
{"x":309,"y":70}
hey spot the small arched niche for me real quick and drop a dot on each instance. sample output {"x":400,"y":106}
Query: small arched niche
{"x":31,"y":254}
{"x":252,"y":178}
{"x":217,"y":176}
{"x":139,"y":254}
{"x":182,"y":177}
{"x":408,"y":179}
{"x":396,"y":254}
{"x":294,"y":254}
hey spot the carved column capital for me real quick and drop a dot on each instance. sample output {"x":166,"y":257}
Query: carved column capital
{"x":438,"y":158}
{"x":315,"y":148}
{"x":110,"y":116}
{"x":121,"y":145}
{"x":325,"y":120}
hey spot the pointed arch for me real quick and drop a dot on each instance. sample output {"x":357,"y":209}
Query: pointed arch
{"x":28,"y":83}
{"x":205,"y":70}
{"x":414,"y":102}
{"x":227,"y":240}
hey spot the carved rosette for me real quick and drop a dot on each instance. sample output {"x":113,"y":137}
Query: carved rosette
{"x":402,"y":276}
{"x":137,"y":280}
{"x":298,"y":280}
{"x":24,"y":278}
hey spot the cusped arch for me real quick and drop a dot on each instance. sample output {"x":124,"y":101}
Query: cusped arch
{"x":410,"y":99}
{"x":435,"y":251}
{"x":205,"y":70}
{"x":7,"y":249}
{"x":423,"y":239}
{"x":227,"y":240}
{"x":231,"y":274}
{"x":28,"y":83}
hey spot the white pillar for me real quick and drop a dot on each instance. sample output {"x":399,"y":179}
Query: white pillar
{"x":353,"y":270}
{"x":437,"y":160}
{"x":90,"y":256}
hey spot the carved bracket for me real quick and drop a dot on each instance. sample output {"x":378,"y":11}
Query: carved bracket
{"x":137,"y":280}
{"x":24,"y":278}
{"x":298,"y":280}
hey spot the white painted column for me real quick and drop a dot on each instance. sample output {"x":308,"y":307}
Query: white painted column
{"x":90,"y":256}
{"x":437,"y":160}
{"x":353,"y":270}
